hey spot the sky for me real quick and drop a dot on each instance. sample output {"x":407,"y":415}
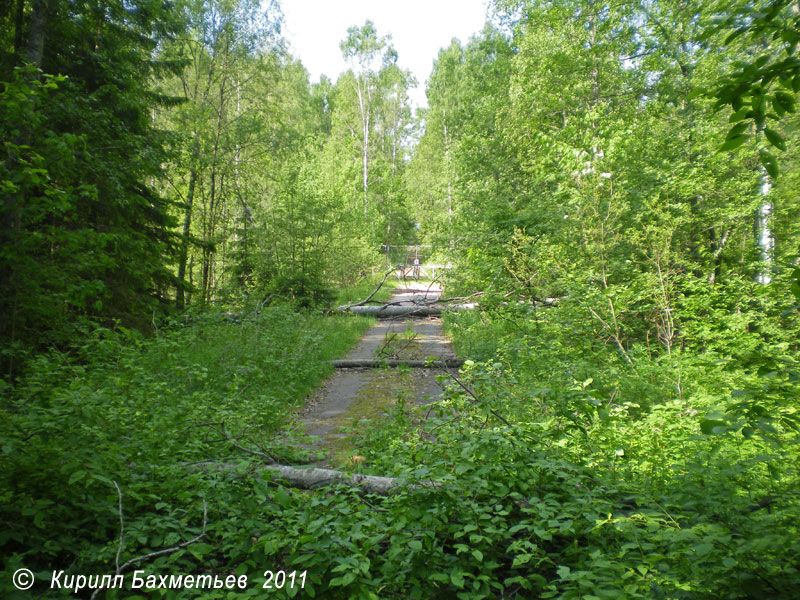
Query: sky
{"x":419,"y":29}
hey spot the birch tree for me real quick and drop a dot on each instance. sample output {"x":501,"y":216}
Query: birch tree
{"x":366,"y":52}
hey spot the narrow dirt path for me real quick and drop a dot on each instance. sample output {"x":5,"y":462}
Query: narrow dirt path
{"x":352,"y":395}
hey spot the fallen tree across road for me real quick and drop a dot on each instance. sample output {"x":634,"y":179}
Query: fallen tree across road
{"x":449,"y":363}
{"x":391,"y":311}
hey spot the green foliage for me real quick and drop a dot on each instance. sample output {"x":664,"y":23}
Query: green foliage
{"x":622,"y":331}
{"x":682,"y":502}
{"x":764,"y":88}
{"x":301,"y":290}
{"x":625,"y":426}
{"x":136,"y":411}
{"x":181,"y":156}
{"x":85,"y":233}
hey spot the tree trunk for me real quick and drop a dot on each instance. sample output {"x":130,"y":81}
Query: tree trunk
{"x":13,"y":203}
{"x":314,"y":478}
{"x":763,"y":231}
{"x":19,"y":17}
{"x":365,"y":161}
{"x":385,"y":311}
{"x":363,"y":108}
{"x":180,"y":299}
{"x":37,"y":33}
{"x":715,"y":258}
{"x":449,"y":363}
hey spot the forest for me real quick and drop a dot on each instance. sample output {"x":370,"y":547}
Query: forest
{"x":615,"y":183}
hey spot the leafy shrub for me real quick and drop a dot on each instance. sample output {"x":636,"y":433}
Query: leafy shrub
{"x":123,"y":408}
{"x":301,"y":289}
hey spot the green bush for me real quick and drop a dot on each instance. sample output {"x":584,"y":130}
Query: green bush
{"x":123,"y":408}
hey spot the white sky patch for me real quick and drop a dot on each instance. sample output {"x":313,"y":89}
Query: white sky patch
{"x":419,"y":29}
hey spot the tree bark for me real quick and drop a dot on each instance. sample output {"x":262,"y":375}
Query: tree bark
{"x":13,"y":203}
{"x":415,"y":364}
{"x":314,"y":478}
{"x":187,"y":228}
{"x":388,"y":312}
{"x":37,"y":33}
{"x":19,"y":17}
{"x":763,"y":231}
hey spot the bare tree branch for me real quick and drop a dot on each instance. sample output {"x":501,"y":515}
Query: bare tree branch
{"x":243,"y":448}
{"x":472,"y":395}
{"x":119,"y":569}
{"x":172,"y":550}
{"x":380,"y":285}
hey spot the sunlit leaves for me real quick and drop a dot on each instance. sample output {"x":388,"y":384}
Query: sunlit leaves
{"x":750,"y":89}
{"x":774,"y":138}
{"x":769,"y":162}
{"x":734,"y":142}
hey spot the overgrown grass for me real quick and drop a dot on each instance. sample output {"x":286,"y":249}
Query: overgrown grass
{"x":557,"y":484}
{"x":685,"y":466}
{"x":568,"y":474}
{"x":136,"y":411}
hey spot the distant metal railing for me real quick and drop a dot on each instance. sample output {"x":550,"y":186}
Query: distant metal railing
{"x":426,"y":271}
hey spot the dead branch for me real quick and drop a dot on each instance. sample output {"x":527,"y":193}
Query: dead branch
{"x":475,"y":399}
{"x":121,"y":526}
{"x":381,"y":353}
{"x":410,"y":341}
{"x":172,"y":550}
{"x":243,"y":448}
{"x":375,"y":291}
{"x":459,"y":298}
{"x":124,"y":567}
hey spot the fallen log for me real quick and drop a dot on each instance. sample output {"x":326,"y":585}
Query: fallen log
{"x":390,"y":311}
{"x":450,"y":363}
{"x":310,"y":479}
{"x":314,"y":478}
